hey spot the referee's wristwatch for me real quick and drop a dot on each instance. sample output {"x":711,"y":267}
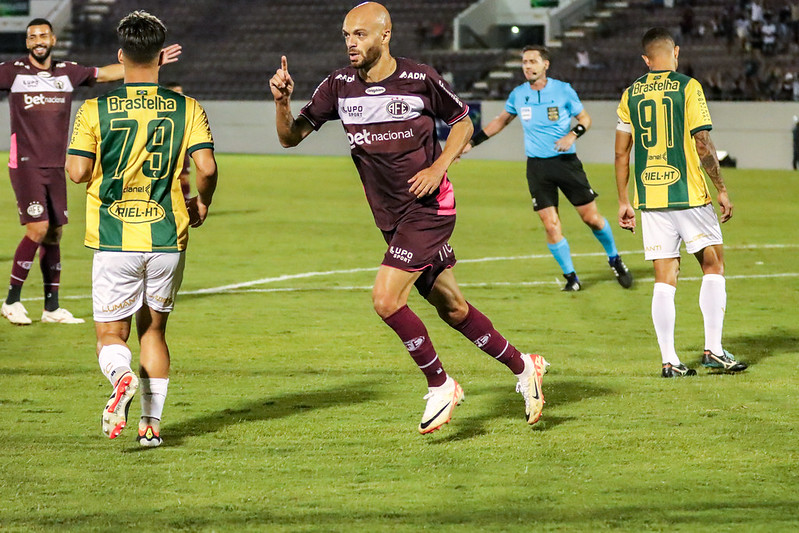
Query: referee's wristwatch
{"x":578,"y":130}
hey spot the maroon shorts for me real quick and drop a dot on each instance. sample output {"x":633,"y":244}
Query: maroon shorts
{"x":421,"y":243}
{"x":41,"y":194}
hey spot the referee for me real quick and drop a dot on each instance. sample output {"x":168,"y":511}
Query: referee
{"x":546,"y":107}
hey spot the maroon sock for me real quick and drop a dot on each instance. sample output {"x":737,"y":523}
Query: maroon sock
{"x":50,"y":263}
{"x":414,"y":335}
{"x":23,"y":259}
{"x":478,"y":328}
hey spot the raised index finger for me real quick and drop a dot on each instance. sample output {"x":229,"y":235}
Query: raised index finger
{"x":284,"y":65}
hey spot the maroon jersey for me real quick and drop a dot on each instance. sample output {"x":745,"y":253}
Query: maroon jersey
{"x":40,"y":103}
{"x":186,"y":165}
{"x":392,"y":133}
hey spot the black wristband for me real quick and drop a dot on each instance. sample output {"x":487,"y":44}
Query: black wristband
{"x":479,"y":137}
{"x":578,"y":130}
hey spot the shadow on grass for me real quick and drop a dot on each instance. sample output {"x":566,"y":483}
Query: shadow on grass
{"x":38,"y":371}
{"x":505,"y":404}
{"x":754,"y":348}
{"x":229,"y":212}
{"x":268,"y":408}
{"x":589,"y":279}
{"x":749,"y":515}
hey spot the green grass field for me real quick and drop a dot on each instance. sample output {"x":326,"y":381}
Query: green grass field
{"x":292,"y":407}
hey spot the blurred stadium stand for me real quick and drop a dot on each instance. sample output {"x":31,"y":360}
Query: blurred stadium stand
{"x":729,"y":66}
{"x":232,"y":48}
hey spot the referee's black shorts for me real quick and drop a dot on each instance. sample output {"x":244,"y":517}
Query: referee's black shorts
{"x":545,"y":175}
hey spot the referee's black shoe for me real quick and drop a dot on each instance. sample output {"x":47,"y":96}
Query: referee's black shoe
{"x":572,"y":283}
{"x":621,"y":271}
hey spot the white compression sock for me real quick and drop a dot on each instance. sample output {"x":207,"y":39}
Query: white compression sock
{"x":713,"y":303}
{"x":664,"y":316}
{"x":114,"y":361}
{"x":153,"y":396}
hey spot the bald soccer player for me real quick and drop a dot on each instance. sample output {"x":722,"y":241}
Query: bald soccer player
{"x":388,"y":108}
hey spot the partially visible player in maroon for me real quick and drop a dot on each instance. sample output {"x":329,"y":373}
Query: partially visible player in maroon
{"x":185,"y":172}
{"x":40,"y":103}
{"x":388,"y":108}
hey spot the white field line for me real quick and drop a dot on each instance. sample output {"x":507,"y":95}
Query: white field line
{"x":284,"y":277}
{"x":237,"y":288}
{"x":555,"y":282}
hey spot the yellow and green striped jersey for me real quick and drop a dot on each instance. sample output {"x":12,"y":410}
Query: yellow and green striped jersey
{"x":665,"y":110}
{"x":138,"y":135}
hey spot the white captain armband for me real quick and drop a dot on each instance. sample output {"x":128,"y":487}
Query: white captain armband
{"x":625,"y":127}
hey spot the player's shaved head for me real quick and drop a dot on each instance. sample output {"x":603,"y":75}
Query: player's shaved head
{"x":370,"y":14}
{"x":657,"y":41}
{"x":367,"y":33}
{"x":660,"y":52}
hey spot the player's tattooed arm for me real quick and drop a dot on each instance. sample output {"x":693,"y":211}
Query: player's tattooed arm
{"x":707,"y":155}
{"x":710,"y":162}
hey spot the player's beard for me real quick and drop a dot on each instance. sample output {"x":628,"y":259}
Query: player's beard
{"x":369,"y":58}
{"x":41,"y":58}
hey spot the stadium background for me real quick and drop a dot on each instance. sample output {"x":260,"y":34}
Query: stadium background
{"x":231,"y":49}
{"x":292,"y":406}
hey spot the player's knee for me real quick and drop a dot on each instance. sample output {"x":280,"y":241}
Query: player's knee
{"x":36,"y":232}
{"x":714,"y":268}
{"x":554,"y":232}
{"x":595,"y":221}
{"x":385,"y":305}
{"x":52,"y":237}
{"x":551,"y":223}
{"x":153,"y":332}
{"x":712,"y":260}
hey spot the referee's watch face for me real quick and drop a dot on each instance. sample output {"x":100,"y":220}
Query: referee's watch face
{"x":533,"y":65}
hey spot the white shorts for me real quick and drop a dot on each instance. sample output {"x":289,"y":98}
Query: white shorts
{"x":663,"y":231}
{"x":121,"y":280}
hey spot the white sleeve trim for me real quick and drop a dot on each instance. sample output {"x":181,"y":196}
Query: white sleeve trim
{"x":625,"y":127}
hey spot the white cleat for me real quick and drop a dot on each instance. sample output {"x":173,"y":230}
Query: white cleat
{"x":16,"y":313}
{"x":115,"y":412}
{"x":149,"y":432}
{"x":530,"y":385}
{"x":60,"y":316}
{"x":441,"y":401}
